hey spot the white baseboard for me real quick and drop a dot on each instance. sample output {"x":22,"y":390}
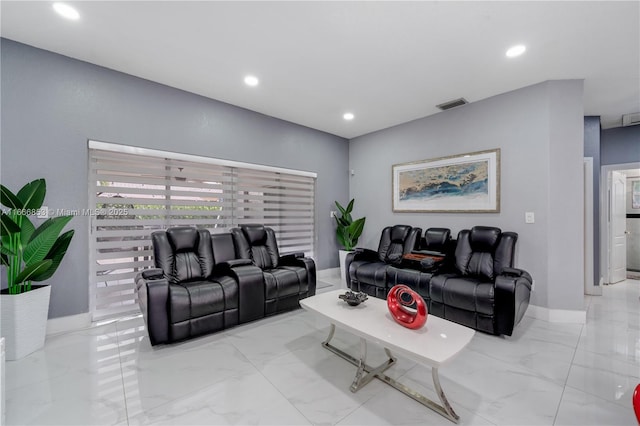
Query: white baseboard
{"x":557,"y":315}
{"x":68,"y":323}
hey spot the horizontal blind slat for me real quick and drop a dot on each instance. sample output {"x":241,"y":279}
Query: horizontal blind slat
{"x":135,"y":195}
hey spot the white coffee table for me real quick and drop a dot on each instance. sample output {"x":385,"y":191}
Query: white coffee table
{"x":435,"y":344}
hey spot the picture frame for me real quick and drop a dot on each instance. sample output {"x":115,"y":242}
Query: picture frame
{"x":464,"y":183}
{"x":635,"y":194}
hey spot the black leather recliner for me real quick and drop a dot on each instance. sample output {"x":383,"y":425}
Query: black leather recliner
{"x":484,"y":291}
{"x":188,"y":293}
{"x":436,"y":242}
{"x":287,"y":278}
{"x":367,"y":269}
{"x":200,"y":285}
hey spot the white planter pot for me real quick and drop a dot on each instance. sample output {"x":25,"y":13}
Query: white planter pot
{"x":24,"y":321}
{"x":342,"y":254}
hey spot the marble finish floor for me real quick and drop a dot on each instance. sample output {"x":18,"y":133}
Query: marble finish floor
{"x":274,"y":371}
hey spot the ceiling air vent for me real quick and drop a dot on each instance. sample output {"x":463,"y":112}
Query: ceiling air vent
{"x":630,"y":119}
{"x":452,"y":104}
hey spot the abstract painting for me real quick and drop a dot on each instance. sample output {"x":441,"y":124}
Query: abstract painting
{"x":459,"y":183}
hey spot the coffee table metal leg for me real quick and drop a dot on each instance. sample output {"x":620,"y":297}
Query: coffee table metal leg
{"x":445,"y":403}
{"x":359,"y":381}
{"x":332,"y":331}
{"x":444,"y":410}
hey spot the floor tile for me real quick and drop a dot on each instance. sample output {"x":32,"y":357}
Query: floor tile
{"x":581,"y":408}
{"x":245,"y":400}
{"x":76,"y":398}
{"x":155,"y":376}
{"x":501,"y":392}
{"x":390,"y":407}
{"x":272,"y":337}
{"x":604,"y":376}
{"x":275,"y":371}
{"x":90,"y":350}
{"x":317,"y":382}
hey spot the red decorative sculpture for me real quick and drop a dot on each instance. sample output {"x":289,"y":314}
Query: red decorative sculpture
{"x":398,"y":301}
{"x":636,"y":402}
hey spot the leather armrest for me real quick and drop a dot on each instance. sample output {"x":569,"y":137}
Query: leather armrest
{"x":296,"y":255}
{"x":235,"y":263}
{"x":428,"y":253}
{"x":251,"y":292}
{"x":291,"y":258}
{"x":512,"y":293}
{"x":152,"y":274}
{"x":430,"y":264}
{"x":153,"y":296}
{"x":299,"y":259}
{"x":394,"y":259}
{"x":515,"y":272}
{"x":364,"y":254}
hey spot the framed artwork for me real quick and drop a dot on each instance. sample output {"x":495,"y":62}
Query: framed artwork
{"x":635,"y":194}
{"x":467,"y":183}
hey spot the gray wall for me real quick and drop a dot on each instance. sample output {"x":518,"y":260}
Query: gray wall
{"x":592,"y":149}
{"x":540,"y":131}
{"x":620,"y":145}
{"x":51,"y":106}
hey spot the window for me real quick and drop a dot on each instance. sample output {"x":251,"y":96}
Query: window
{"x":136,"y":191}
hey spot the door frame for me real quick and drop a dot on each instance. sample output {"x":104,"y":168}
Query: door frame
{"x":605,"y":188}
{"x":590,"y":287}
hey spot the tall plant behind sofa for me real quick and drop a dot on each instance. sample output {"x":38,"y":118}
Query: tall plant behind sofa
{"x":348,"y":232}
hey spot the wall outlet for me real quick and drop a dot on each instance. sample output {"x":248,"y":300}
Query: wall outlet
{"x":332,"y":214}
{"x":529,"y":217}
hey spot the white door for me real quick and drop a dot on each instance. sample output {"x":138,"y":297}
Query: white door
{"x":618,"y":226}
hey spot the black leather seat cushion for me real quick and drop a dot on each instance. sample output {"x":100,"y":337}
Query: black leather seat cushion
{"x":468,"y":293}
{"x":284,"y":281}
{"x":199,"y":298}
{"x":371,"y":273}
{"x":416,"y":280}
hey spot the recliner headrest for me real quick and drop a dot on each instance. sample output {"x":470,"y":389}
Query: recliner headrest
{"x":399,"y":233}
{"x":183,"y":238}
{"x":255,"y":234}
{"x":436,"y":237}
{"x":484,"y":238}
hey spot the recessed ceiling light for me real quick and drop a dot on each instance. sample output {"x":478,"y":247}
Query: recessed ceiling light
{"x":251,"y":80}
{"x":516,"y":51}
{"x":348,"y":116}
{"x":66,"y":11}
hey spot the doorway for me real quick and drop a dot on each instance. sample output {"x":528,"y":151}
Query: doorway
{"x":620,"y":222}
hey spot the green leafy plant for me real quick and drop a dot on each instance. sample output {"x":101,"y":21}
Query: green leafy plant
{"x":348,"y":230}
{"x":30,"y":253}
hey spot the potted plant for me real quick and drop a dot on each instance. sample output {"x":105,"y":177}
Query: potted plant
{"x":347,"y":232}
{"x":28,"y":254}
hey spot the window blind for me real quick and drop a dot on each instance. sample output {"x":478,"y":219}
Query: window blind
{"x":134,"y":192}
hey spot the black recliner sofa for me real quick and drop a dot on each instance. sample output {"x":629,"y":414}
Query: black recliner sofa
{"x":475,"y":285}
{"x":367,"y":269}
{"x":201,"y":284}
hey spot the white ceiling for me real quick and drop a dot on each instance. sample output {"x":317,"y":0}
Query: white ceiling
{"x":387,"y":62}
